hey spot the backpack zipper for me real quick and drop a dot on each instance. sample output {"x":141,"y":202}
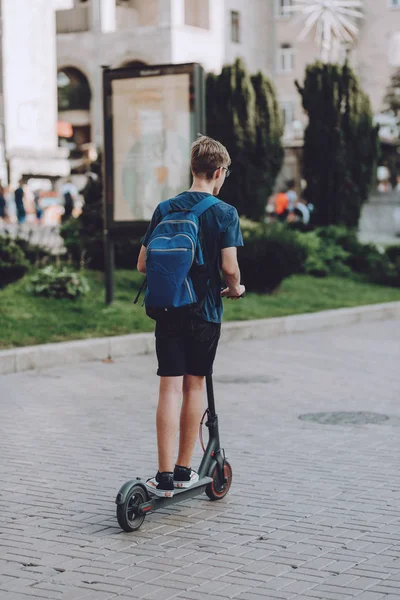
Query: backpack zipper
{"x":189,"y":290}
{"x":159,"y":237}
{"x":164,"y":237}
{"x":170,"y":250}
{"x":178,"y":221}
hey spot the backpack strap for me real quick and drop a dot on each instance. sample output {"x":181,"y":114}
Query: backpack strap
{"x":201,"y":207}
{"x":164,"y":207}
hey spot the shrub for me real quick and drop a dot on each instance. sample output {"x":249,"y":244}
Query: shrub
{"x":364,"y":258}
{"x":13,"y":264}
{"x":314,"y":265}
{"x":127,"y":253}
{"x":340,"y":253}
{"x":33,"y":253}
{"x":270,"y":254}
{"x":324,"y":255}
{"x":84,"y":237}
{"x":393,"y":253}
{"x":55,"y":282}
{"x":70,"y":231}
{"x":384,"y":271}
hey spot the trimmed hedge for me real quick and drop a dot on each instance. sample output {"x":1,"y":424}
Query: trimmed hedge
{"x":270,"y":254}
{"x":274,"y":252}
{"x":13,"y":263}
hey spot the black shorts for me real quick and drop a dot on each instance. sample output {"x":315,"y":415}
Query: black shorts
{"x":186,"y":347}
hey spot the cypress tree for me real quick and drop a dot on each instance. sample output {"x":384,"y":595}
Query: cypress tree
{"x":390,"y":152}
{"x":340,"y":144}
{"x":267,"y":156}
{"x":392,"y":97}
{"x":243,"y":114}
{"x":231,"y":120}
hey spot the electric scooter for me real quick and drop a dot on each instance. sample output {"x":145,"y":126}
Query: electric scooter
{"x":134,"y":501}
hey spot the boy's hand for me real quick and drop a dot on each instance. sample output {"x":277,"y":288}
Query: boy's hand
{"x":235,"y":294}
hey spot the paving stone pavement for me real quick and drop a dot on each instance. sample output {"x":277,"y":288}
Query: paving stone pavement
{"x":313,"y":512}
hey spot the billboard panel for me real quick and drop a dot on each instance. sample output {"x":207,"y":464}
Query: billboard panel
{"x":152,"y":115}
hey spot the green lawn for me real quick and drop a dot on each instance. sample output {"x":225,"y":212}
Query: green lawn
{"x":26,"y":320}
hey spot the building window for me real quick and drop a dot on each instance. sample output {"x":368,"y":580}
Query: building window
{"x":394,"y":50}
{"x":287,"y":110}
{"x":197,"y":13}
{"x":281,"y":6}
{"x":74,"y":97}
{"x":73,"y":90}
{"x":394,"y":3}
{"x":235,"y":26}
{"x":285,"y":59}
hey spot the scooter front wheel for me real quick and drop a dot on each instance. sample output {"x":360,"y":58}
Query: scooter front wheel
{"x":128,"y":515}
{"x":218,"y":489}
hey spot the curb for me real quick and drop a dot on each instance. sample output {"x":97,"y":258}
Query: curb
{"x":51,"y":355}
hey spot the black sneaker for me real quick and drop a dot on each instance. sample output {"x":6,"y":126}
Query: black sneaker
{"x":184,"y":477}
{"x":161,"y":485}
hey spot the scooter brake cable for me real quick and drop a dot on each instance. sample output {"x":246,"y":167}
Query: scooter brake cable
{"x":201,"y":430}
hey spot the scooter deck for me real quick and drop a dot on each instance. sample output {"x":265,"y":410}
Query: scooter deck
{"x":181,"y":494}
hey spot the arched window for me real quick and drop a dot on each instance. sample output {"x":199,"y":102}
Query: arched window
{"x":73,"y":90}
{"x":74,"y":123}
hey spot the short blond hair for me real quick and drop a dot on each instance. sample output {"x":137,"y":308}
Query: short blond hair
{"x":207,"y":156}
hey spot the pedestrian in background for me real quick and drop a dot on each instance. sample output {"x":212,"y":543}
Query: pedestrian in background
{"x":69,"y":193}
{"x":19,"y":203}
{"x":38,"y":208}
{"x":303,"y":211}
{"x":281,"y":205}
{"x":3,"y":203}
{"x":292,"y":195}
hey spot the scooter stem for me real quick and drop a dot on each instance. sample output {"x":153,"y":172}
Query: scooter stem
{"x":210,"y":395}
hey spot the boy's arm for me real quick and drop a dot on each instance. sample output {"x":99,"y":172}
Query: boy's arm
{"x":141,"y":263}
{"x":230,"y":240}
{"x":231,"y":271}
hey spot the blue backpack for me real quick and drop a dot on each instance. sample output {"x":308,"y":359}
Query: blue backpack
{"x":173,"y":252}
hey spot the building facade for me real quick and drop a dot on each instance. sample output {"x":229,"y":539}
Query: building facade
{"x":117,"y":33}
{"x":374,"y":56}
{"x":28,"y":93}
{"x":92,"y":33}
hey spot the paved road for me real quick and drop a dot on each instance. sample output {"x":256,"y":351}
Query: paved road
{"x":314,"y":511}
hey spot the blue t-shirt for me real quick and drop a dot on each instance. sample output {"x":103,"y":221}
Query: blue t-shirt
{"x":219,"y":228}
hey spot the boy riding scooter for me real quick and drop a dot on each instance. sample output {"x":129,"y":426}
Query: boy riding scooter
{"x":190,"y":238}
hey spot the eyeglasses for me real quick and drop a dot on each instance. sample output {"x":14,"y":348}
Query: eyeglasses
{"x":228,"y":171}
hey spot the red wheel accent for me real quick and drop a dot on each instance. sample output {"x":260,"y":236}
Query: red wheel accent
{"x":214,"y":490}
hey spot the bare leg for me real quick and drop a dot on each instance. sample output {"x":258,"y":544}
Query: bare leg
{"x":167,"y":421}
{"x":191,"y":412}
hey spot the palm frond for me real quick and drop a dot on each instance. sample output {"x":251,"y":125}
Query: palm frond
{"x":332,"y":20}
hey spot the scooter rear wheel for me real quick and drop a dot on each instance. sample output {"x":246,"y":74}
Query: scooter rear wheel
{"x":218,"y":489}
{"x":127,"y":513}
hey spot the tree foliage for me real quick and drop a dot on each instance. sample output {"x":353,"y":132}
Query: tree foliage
{"x":84,"y":237}
{"x":340,"y":144}
{"x":392,"y":97}
{"x":243,"y":114}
